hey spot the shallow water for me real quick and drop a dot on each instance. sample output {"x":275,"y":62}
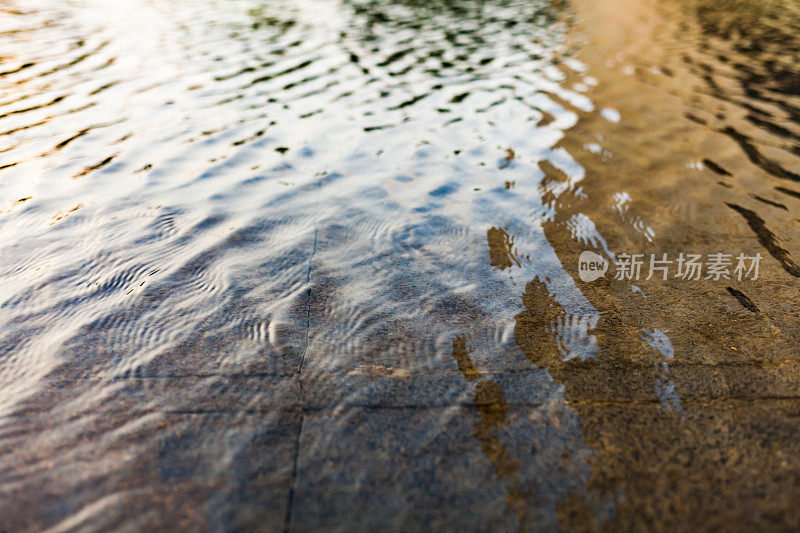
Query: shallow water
{"x":291,"y":265}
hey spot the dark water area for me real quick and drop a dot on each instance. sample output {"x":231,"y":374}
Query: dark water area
{"x":315,"y":264}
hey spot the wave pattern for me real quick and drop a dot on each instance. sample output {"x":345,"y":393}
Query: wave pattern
{"x":241,"y":212}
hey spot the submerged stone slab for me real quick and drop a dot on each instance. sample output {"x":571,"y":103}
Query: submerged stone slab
{"x":472,"y":468}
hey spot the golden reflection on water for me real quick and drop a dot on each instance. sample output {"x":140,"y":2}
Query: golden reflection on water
{"x":709,"y":95}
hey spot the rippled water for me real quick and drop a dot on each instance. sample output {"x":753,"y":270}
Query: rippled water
{"x":290,"y":265}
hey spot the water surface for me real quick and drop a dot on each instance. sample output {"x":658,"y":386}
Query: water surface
{"x":291,"y":265}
